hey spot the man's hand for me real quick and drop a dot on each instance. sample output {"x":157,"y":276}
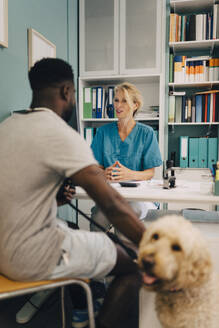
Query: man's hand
{"x":65,"y":193}
{"x":118,"y":172}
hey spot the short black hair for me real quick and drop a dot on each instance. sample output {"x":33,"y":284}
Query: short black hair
{"x":49,"y":72}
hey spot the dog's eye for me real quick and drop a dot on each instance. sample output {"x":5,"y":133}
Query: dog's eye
{"x":176,"y":247}
{"x":155,"y":236}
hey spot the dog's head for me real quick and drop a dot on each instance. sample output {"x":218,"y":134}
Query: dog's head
{"x":173,"y":255}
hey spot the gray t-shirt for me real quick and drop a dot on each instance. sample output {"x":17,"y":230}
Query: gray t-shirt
{"x":38,"y":151}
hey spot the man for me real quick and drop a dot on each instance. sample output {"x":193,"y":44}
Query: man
{"x":38,"y":151}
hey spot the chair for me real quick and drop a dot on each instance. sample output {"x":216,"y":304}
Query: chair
{"x":9,"y":288}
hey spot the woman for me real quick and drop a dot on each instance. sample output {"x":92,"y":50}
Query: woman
{"x":126,"y":150}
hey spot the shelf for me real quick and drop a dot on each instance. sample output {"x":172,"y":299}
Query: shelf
{"x":193,"y":84}
{"x":194,"y":123}
{"x":115,"y":119}
{"x":115,"y":79}
{"x":194,"y":45}
{"x":146,"y":118}
{"x":186,"y":6}
{"x":99,"y":119}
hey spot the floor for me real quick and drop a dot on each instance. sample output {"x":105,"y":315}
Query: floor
{"x":49,"y":315}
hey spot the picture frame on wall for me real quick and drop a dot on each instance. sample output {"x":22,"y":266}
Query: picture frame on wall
{"x":4,"y":23}
{"x":39,"y":47}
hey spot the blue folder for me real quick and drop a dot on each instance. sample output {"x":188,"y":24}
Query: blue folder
{"x":198,"y":108}
{"x":193,"y":152}
{"x":183,"y":159}
{"x":94,"y":101}
{"x":212,"y":151}
{"x":99,"y":102}
{"x":110,"y":106}
{"x":202,"y":152}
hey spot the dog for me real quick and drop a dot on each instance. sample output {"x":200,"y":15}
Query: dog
{"x":176,"y":264}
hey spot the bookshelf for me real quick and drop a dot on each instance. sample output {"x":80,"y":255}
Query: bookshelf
{"x":120,"y":41}
{"x":188,"y":46}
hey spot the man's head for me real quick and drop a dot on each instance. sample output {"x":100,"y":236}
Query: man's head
{"x":52,"y":83}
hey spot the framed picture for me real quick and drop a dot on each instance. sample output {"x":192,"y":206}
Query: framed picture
{"x":39,"y":47}
{"x":4,"y":23}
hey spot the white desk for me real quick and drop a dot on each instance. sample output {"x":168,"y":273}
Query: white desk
{"x":189,"y":192}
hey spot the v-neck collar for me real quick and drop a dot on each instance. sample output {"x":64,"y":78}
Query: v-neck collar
{"x":128,"y":136}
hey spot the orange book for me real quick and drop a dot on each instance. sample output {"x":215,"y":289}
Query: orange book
{"x":192,"y":71}
{"x":197,"y":71}
{"x":187,"y":72}
{"x":211,"y":69}
{"x":177,"y":28}
{"x":172,"y":37}
{"x":201,"y":70}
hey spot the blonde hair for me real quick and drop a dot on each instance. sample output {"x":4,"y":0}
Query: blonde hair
{"x":131,"y":93}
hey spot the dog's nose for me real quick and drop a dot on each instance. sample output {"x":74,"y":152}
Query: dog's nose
{"x":148,"y":263}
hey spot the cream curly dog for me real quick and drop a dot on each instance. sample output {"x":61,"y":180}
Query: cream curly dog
{"x":176,"y":264}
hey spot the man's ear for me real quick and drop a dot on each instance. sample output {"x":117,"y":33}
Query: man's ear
{"x":64,"y":91}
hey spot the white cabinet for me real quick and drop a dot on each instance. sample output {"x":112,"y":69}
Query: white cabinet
{"x":121,"y":40}
{"x":140,"y":36}
{"x":120,"y":37}
{"x":99,"y":35}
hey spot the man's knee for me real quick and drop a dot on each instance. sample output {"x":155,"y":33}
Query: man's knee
{"x":124,"y":263}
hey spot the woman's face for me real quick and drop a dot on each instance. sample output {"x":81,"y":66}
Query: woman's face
{"x":122,"y":107}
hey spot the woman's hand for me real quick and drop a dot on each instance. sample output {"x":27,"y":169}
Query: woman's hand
{"x":118,"y":172}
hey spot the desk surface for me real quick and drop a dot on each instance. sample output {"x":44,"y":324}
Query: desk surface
{"x":185,"y":191}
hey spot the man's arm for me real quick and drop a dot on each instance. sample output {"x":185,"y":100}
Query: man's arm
{"x":112,"y":204}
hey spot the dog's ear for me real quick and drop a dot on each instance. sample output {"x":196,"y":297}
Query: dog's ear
{"x":198,"y":266}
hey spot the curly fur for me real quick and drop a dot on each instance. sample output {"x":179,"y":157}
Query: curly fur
{"x":176,"y":264}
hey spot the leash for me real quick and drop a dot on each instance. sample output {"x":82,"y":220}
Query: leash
{"x":111,"y":235}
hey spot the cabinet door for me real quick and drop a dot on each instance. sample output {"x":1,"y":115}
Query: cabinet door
{"x":99,"y":37}
{"x":140,"y":36}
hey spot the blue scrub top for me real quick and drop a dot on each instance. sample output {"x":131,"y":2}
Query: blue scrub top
{"x":138,"y":152}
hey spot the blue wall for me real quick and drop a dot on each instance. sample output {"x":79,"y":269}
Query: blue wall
{"x":57,"y":21}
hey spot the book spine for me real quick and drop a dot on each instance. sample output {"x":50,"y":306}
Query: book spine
{"x":171,"y":68}
{"x":211,"y":69}
{"x":178,"y":71}
{"x":171,"y":115}
{"x":192,"y":71}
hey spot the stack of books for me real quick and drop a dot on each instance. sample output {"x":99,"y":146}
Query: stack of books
{"x":200,"y":107}
{"x":184,"y":69}
{"x":194,"y":27}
